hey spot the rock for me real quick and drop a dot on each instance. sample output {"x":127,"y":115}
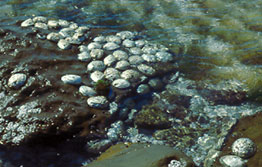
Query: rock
{"x":135,"y":51}
{"x":27,"y":23}
{"x":75,"y":39}
{"x":73,"y":26}
{"x":63,"y":23}
{"x":145,"y":69}
{"x":67,"y":32}
{"x":98,"y":146}
{"x":121,"y":84}
{"x":84,"y":56}
{"x":140,"y":43}
{"x":82,"y":29}
{"x":109,"y":60}
{"x":96,"y":65}
{"x":53,"y":36}
{"x":53,"y":24}
{"x":131,"y":75}
{"x":143,"y":89}
{"x":71,"y":79}
{"x":149,"y":58}
{"x":114,"y":39}
{"x":232,"y":161}
{"x":87,"y":91}
{"x":244,"y":148}
{"x":64,"y":44}
{"x":17,"y":80}
{"x":83,"y":48}
{"x":97,"y":53}
{"x":176,"y":163}
{"x":140,"y":155}
{"x":135,"y":60}
{"x":94,"y":45}
{"x":96,"y":76}
{"x":40,"y":19}
{"x":120,"y":55}
{"x":100,"y":39}
{"x":148,"y":50}
{"x":98,"y":102}
{"x":155,"y":83}
{"x":116,"y":131}
{"x":164,"y":57}
{"x":122,"y":65}
{"x":128,"y":43}
{"x":125,"y":35}
{"x":111,"y":74}
{"x":41,"y":25}
{"x":111,"y":46}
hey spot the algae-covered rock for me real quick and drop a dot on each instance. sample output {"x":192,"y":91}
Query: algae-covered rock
{"x":152,"y":117}
{"x":140,"y":155}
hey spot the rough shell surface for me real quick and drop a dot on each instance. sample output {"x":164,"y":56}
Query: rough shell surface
{"x":17,"y":80}
{"x":232,"y":161}
{"x":98,"y":102}
{"x":244,"y":147}
{"x":96,"y":65}
{"x":121,"y":84}
{"x":71,"y":79}
{"x":87,"y":91}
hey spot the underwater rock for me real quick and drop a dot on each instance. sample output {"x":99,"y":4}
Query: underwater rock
{"x":121,"y":84}
{"x":111,"y":46}
{"x":55,"y":37}
{"x":17,"y":80}
{"x":71,"y":79}
{"x":98,"y":102}
{"x":244,"y":148}
{"x":96,"y":76}
{"x":87,"y":91}
{"x":96,"y":65}
{"x":232,"y":161}
{"x":64,"y":44}
{"x":27,"y":23}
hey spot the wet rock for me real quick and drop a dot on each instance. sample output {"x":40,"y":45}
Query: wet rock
{"x":84,"y":56}
{"x":128,"y":43}
{"x":98,"y":102}
{"x":120,"y":55}
{"x":125,"y":35}
{"x":67,"y":32}
{"x":114,"y":39}
{"x":27,"y":23}
{"x":73,"y":26}
{"x":145,"y":69}
{"x":55,"y":37}
{"x":135,"y":60}
{"x":164,"y":56}
{"x":152,"y":117}
{"x":40,"y":19}
{"x":87,"y":91}
{"x":82,"y":29}
{"x":140,"y":43}
{"x":94,"y":45}
{"x":17,"y":80}
{"x":98,"y":146}
{"x":244,"y":148}
{"x":135,"y":51}
{"x":64,"y":44}
{"x":96,"y":65}
{"x":96,"y":76}
{"x":97,"y":53}
{"x":115,"y":131}
{"x":109,"y":60}
{"x":75,"y":39}
{"x":149,"y":58}
{"x":41,"y":25}
{"x":121,"y":84}
{"x":131,"y":75}
{"x":100,"y":39}
{"x":63,"y":23}
{"x":142,"y":155}
{"x":232,"y":161}
{"x":155,"y":83}
{"x":71,"y":79}
{"x":111,"y":46}
{"x":83,"y":48}
{"x":143,"y":89}
{"x":122,"y":65}
{"x":148,"y":50}
{"x":111,"y":74}
{"x":53,"y":24}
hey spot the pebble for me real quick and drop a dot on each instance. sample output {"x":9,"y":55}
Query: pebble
{"x":17,"y":80}
{"x":145,"y":69}
{"x":97,"y":53}
{"x":96,"y":76}
{"x":148,"y":50}
{"x":135,"y":51}
{"x":67,"y":32}
{"x":73,"y":26}
{"x":143,"y":89}
{"x":111,"y":74}
{"x":120,"y":55}
{"x":111,"y":46}
{"x":64,"y":44}
{"x":114,"y":39}
{"x":164,"y":56}
{"x":63,"y":23}
{"x":135,"y":60}
{"x":122,"y":65}
{"x":82,"y":29}
{"x":40,"y":19}
{"x":83,"y":48}
{"x":94,"y":45}
{"x":121,"y":84}
{"x":244,"y":148}
{"x":125,"y":35}
{"x":53,"y":36}
{"x":100,"y":39}
{"x":98,"y":102}
{"x":87,"y":91}
{"x":53,"y":24}
{"x":96,"y":65}
{"x":75,"y":39}
{"x":41,"y":25}
{"x":155,"y":83}
{"x":128,"y":43}
{"x":131,"y":75}
{"x":149,"y":58}
{"x":71,"y":79}
{"x":140,"y":43}
{"x":232,"y":161}
{"x":27,"y":23}
{"x":84,"y":56}
{"x":109,"y":60}
{"x":175,"y":163}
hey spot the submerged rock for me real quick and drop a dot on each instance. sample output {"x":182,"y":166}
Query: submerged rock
{"x":111,"y":46}
{"x":64,"y":44}
{"x":71,"y":79}
{"x":87,"y":91}
{"x":232,"y":161}
{"x":244,"y":148}
{"x":17,"y":80}
{"x":27,"y":23}
{"x":121,"y":84}
{"x":98,"y":102}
